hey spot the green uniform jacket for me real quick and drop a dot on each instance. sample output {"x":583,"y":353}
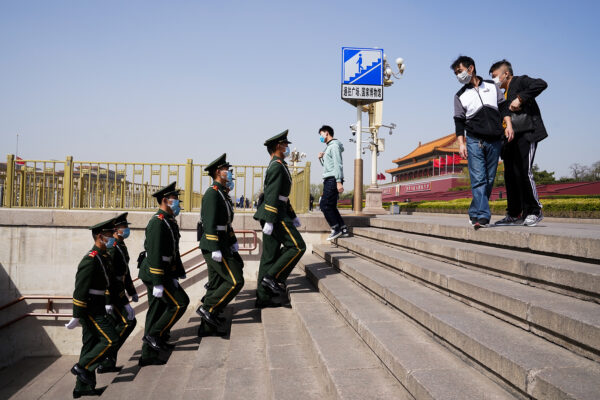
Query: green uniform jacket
{"x":162,"y":260}
{"x":119,"y":257}
{"x":92,"y":283}
{"x":278,"y":184}
{"x":217,"y":216}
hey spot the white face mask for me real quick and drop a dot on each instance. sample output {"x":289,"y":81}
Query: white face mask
{"x":497,"y":80}
{"x":464,"y":77}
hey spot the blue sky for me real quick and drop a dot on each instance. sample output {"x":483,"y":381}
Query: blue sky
{"x":154,"y":81}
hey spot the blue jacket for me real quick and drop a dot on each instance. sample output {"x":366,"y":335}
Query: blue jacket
{"x":332,"y":161}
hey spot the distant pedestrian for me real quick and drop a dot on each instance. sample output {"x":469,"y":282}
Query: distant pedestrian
{"x":523,"y":205}
{"x":311,"y":200}
{"x":479,"y":108}
{"x":333,"y":182}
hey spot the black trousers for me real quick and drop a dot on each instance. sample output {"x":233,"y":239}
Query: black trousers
{"x":329,"y":203}
{"x":521,"y":193}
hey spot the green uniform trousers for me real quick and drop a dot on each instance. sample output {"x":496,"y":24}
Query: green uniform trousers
{"x":98,"y":338}
{"x":123,"y":327}
{"x":163,"y":312}
{"x":226,"y":279}
{"x":281,"y":252}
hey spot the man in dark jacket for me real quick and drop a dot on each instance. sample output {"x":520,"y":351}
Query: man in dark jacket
{"x":523,"y":206}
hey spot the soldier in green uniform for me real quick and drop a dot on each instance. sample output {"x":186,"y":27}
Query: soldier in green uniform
{"x":220,"y":250}
{"x":160,"y":271}
{"x":121,"y":281}
{"x":282,"y":244}
{"x":91,"y":306}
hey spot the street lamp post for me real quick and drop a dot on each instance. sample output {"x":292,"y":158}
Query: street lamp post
{"x":374,"y":203}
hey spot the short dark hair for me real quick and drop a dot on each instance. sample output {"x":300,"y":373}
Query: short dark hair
{"x":271,"y":148}
{"x":503,"y":62}
{"x":326,"y":128}
{"x":465,"y":61}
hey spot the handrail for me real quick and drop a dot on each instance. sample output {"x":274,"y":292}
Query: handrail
{"x":50,"y":312}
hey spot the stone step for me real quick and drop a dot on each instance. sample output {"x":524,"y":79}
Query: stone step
{"x":528,"y":363}
{"x":570,"y":322}
{"x":425,"y":367}
{"x":33,"y":377}
{"x":573,"y":278}
{"x":346,"y":363}
{"x":559,"y":239}
{"x":293,"y":369}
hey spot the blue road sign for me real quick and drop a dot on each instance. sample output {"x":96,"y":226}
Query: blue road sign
{"x":362,"y":75}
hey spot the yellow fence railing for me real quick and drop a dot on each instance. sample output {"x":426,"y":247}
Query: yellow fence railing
{"x":71,"y":184}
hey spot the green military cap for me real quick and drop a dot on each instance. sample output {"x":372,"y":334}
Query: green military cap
{"x":279,"y":138}
{"x":105,"y":226}
{"x":121,"y":219}
{"x":168,"y":190}
{"x":218,"y":163}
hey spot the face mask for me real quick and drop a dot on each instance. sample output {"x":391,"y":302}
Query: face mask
{"x":230,"y":183}
{"x":498,"y":81}
{"x":109,"y":242}
{"x":175,"y":207}
{"x":322,"y":139}
{"x":125,"y":233}
{"x":464,"y":77}
{"x":287,"y":152}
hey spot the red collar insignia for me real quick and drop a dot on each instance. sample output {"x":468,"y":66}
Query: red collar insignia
{"x":215,"y":187}
{"x":93,"y":253}
{"x":160,"y":216}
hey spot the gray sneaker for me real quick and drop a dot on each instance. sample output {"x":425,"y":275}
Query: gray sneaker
{"x":533,"y":220}
{"x":508,"y":221}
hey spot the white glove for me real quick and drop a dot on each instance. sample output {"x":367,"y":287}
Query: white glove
{"x":217,"y":256}
{"x":157,"y":290}
{"x":175,"y":282}
{"x":268,"y":228}
{"x":235,"y":247}
{"x":72,"y":324}
{"x":130,"y":312}
{"x":297,"y":222}
{"x":135,"y":298}
{"x":108,"y":308}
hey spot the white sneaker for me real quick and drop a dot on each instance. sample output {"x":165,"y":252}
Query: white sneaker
{"x":533,"y":220}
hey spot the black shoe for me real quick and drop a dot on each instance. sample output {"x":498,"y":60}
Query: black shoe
{"x":335,"y":234}
{"x":345,"y":233}
{"x":208,"y":317}
{"x":84,"y":375}
{"x":153,"y":342}
{"x":92,"y":392}
{"x":151,"y":361}
{"x":104,"y":370}
{"x":206,"y":285}
{"x":272,"y":285}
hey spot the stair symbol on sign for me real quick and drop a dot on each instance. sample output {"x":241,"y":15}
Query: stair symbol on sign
{"x":363,"y":71}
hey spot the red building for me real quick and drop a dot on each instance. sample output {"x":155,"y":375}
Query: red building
{"x":433,"y":167}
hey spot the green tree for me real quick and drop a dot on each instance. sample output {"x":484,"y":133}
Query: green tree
{"x":542,"y":177}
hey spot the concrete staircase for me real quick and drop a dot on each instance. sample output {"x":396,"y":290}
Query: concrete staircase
{"x":455,"y":313}
{"x":410,"y":307}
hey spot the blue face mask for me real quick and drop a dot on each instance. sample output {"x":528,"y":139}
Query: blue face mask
{"x":322,"y":139}
{"x":125,"y":233}
{"x":287,"y":152}
{"x":175,"y":207}
{"x":110,"y":243}
{"x":230,"y":182}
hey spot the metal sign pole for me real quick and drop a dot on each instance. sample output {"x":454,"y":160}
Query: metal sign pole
{"x":358,"y":164}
